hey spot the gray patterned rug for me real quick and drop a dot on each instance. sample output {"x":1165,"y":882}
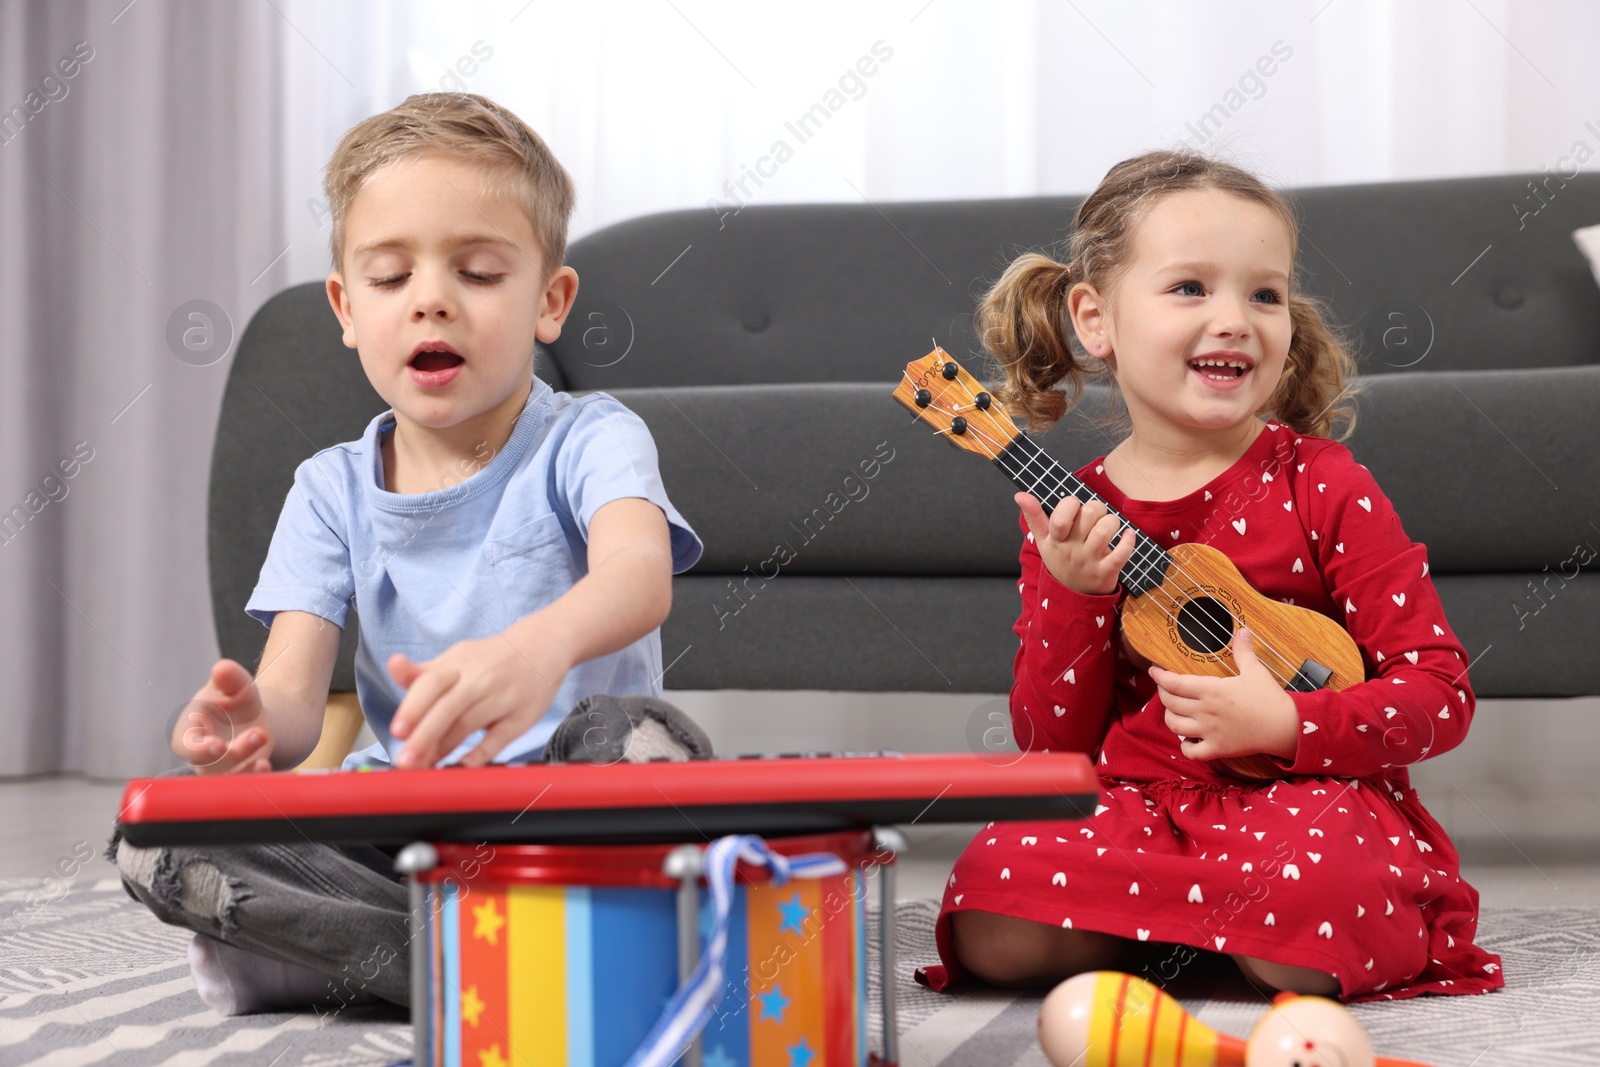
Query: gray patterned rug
{"x":1547,"y":1014}
{"x":87,"y":976}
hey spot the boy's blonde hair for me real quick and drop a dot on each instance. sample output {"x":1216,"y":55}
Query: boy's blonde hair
{"x":464,"y":126}
{"x":1024,"y":320}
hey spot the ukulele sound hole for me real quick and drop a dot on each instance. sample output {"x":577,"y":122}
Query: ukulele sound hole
{"x":1205,"y":625}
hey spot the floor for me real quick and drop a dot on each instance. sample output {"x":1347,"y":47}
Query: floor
{"x":52,"y":824}
{"x":55,"y":827}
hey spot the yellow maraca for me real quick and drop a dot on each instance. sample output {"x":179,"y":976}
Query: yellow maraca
{"x":1108,"y":1019}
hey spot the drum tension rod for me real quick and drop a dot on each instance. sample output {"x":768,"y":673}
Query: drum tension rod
{"x":887,"y":839}
{"x":418,"y":858}
{"x":687,"y":863}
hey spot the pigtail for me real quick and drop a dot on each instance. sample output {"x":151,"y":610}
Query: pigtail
{"x":1319,"y":377}
{"x":1024,"y":324}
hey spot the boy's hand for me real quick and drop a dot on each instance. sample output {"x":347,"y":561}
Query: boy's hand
{"x":1238,"y":716}
{"x":224,"y":727}
{"x":481,"y":684}
{"x":1074,"y":541}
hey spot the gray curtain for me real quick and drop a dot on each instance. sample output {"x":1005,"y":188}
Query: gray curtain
{"x":147,"y":179}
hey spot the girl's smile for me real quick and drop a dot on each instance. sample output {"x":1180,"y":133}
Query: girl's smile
{"x":1223,"y":369}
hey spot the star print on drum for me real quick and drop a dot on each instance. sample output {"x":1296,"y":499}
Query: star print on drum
{"x":567,"y":955}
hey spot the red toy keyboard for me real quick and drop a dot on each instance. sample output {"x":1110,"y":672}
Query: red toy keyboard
{"x":623,"y":802}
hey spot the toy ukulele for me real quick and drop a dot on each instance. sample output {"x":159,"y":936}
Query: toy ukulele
{"x":1108,"y":1019}
{"x":1183,"y":604}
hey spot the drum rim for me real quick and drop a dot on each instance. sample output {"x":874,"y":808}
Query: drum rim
{"x":634,"y":865}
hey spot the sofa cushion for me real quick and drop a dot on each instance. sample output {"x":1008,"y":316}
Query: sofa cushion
{"x":1491,"y":469}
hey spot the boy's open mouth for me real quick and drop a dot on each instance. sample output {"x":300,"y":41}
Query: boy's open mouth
{"x":435,"y":361}
{"x":434,"y":365}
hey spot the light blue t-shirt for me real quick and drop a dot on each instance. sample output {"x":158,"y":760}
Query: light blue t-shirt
{"x":427,"y":570}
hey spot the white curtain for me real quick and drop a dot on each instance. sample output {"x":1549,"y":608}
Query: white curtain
{"x":183,"y":160}
{"x":144,"y":180}
{"x":656,"y":105}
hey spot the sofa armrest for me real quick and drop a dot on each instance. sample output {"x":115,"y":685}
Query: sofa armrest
{"x":341,"y":723}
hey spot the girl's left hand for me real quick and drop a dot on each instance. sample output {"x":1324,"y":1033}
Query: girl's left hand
{"x":1241,"y":715}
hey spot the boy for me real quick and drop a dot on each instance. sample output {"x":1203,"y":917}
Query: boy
{"x":510,"y":550}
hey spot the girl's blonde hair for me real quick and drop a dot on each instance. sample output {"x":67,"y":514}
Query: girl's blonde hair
{"x":463,"y":126}
{"x":1024,"y":319}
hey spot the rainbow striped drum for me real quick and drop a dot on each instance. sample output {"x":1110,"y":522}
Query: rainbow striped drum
{"x":551,"y":955}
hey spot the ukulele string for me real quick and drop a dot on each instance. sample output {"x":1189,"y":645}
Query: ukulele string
{"x":1204,"y":626}
{"x":996,"y":454}
{"x":1223,"y":637}
{"x":1139,"y":570}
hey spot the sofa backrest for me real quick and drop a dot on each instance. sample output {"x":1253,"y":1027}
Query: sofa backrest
{"x":848,"y":547}
{"x":1457,"y":274}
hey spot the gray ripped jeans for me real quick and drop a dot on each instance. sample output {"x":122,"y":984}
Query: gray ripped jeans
{"x":340,"y":910}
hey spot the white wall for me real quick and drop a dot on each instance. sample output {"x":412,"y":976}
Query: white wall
{"x":655,"y":105}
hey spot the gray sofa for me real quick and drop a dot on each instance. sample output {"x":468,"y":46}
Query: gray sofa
{"x":849,"y":549}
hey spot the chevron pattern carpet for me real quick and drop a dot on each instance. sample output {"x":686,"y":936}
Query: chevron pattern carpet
{"x":1548,"y":1014}
{"x":87,"y":976}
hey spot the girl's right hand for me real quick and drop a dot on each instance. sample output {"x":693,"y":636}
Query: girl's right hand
{"x":1075,"y":542}
{"x":224,"y":728}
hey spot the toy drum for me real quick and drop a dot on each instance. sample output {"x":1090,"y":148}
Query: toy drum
{"x":568,"y":954}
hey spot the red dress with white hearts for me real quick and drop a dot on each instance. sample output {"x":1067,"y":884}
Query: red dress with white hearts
{"x":1337,"y":866}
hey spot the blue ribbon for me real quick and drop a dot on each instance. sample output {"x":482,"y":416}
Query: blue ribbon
{"x":687,"y":1013}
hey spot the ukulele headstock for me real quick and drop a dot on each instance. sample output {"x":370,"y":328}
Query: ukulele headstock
{"x":939,"y":392}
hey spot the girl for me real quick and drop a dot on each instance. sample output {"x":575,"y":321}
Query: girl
{"x":1332,"y":880}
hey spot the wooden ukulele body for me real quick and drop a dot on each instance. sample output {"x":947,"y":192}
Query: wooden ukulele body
{"x":1187,"y":623}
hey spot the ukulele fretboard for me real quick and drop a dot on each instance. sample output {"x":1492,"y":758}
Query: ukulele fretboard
{"x":1032,"y":470}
